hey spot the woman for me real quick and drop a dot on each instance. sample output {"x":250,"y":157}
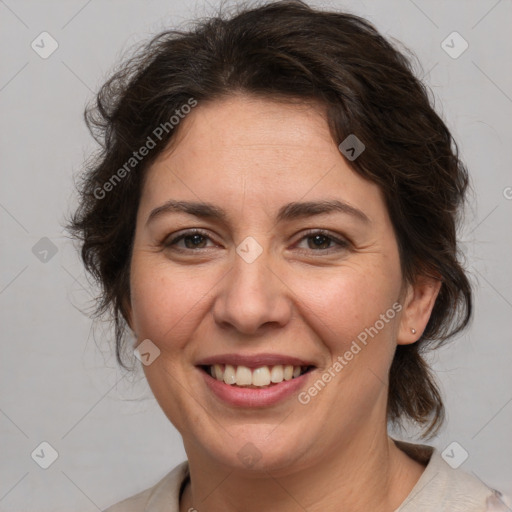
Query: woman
{"x":273,"y":216}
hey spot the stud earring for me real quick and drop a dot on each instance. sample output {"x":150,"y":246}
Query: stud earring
{"x":413,"y":330}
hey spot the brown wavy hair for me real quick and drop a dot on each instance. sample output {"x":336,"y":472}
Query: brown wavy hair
{"x":286,"y":50}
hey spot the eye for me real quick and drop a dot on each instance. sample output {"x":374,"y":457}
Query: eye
{"x":322,"y":241}
{"x":317,"y":241}
{"x":194,"y":239}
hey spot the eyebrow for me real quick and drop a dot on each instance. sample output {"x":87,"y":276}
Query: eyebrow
{"x":290,"y":211}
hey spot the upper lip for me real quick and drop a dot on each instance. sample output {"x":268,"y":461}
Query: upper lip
{"x":254,"y":361}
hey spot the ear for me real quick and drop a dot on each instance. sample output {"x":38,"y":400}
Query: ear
{"x":419,"y":301}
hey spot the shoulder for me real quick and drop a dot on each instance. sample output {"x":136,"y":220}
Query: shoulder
{"x":163,"y":496}
{"x":446,"y":489}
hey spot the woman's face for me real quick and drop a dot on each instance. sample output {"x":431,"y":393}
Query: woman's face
{"x":259,"y":287}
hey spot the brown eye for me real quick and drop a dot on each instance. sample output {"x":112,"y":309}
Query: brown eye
{"x":192,"y":240}
{"x":320,"y":241}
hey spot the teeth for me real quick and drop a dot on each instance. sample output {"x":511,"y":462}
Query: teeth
{"x":277,"y":373}
{"x":218,"y":373}
{"x":259,"y":377}
{"x":229,"y":374}
{"x":288,"y":372}
{"x":243,"y":376}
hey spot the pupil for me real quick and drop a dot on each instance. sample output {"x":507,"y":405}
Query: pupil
{"x":196,"y":239}
{"x":322,"y":239}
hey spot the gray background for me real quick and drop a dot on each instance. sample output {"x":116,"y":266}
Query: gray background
{"x":58,"y":377}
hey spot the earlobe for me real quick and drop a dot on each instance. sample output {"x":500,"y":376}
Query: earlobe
{"x":419,"y":301}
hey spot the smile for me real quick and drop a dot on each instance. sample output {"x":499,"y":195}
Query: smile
{"x":254,"y":381}
{"x":263,"y":376}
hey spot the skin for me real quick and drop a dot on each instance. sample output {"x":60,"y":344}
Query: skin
{"x":251,"y":156}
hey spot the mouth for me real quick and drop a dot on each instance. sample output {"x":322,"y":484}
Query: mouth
{"x":261,"y":377}
{"x":257,"y":381}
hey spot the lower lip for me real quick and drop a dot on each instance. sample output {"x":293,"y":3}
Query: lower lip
{"x":253,"y":397}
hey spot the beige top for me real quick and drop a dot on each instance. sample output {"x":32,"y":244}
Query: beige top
{"x":440,"y":489}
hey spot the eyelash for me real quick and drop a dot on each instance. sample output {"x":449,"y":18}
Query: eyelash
{"x":343,"y":244}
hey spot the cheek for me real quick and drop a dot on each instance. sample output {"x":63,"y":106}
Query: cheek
{"x":167,"y":301}
{"x":348,"y":303}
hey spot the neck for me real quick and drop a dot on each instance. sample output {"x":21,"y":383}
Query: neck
{"x":360,"y":476}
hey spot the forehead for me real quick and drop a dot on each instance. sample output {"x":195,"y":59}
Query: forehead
{"x":256,"y":151}
{"x":243,"y":130}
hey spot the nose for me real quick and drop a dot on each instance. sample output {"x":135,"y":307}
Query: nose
{"x":252,"y":298}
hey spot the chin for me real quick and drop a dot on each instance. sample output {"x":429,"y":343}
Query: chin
{"x":258,"y":450}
